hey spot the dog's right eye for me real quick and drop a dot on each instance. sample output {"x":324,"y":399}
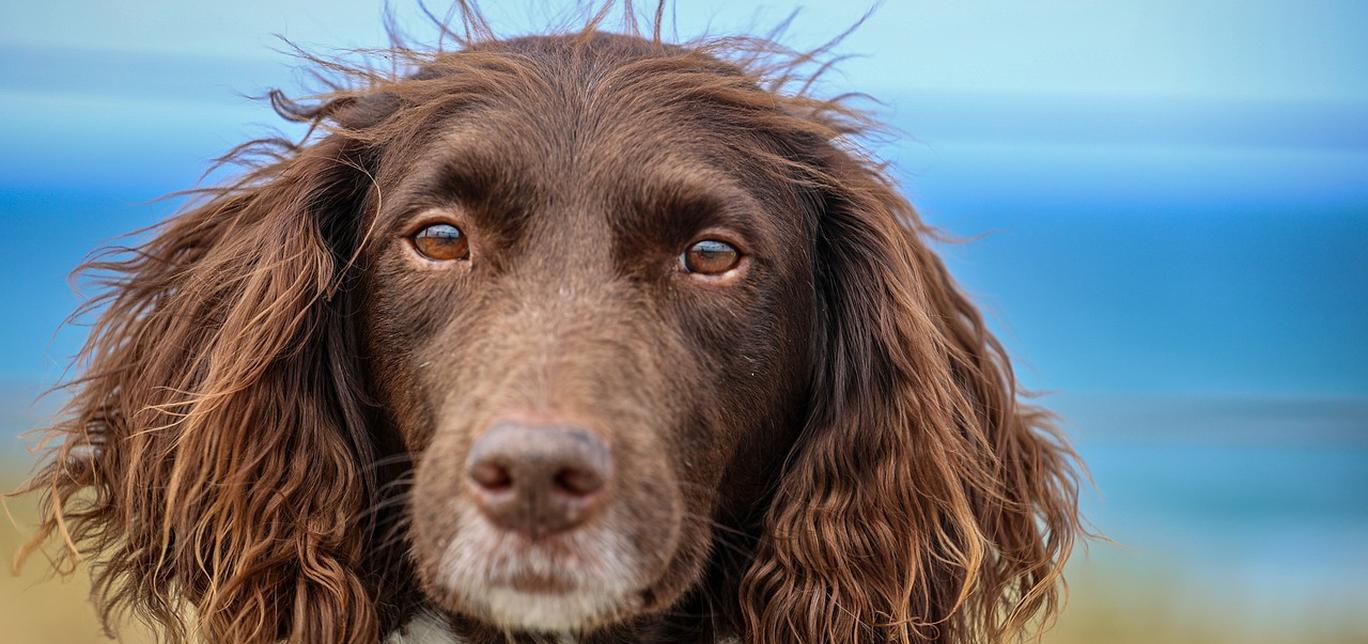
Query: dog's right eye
{"x":442,"y":242}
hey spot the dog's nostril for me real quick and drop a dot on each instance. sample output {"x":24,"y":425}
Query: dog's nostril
{"x":578,"y":482}
{"x":491,"y":476}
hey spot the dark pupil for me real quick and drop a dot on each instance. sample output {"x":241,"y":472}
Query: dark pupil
{"x":442,"y":233}
{"x":441,"y":242}
{"x":711,"y":250}
{"x":711,"y":256}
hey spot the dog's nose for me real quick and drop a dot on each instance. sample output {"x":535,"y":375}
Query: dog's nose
{"x":538,"y":480}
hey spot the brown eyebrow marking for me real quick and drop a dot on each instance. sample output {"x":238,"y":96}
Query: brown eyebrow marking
{"x":672,"y":206}
{"x":489,"y":184}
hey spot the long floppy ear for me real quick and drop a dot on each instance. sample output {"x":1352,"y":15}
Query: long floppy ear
{"x":214,"y":459}
{"x":923,"y":502}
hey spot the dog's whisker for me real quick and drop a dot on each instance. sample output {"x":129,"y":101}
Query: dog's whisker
{"x":392,"y":459}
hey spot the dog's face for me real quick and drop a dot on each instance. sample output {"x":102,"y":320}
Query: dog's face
{"x":591,"y":322}
{"x":666,"y":355}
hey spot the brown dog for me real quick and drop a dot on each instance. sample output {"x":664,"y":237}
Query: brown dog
{"x":576,"y":335}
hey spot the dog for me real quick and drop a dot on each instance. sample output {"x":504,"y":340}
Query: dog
{"x":574,"y":337}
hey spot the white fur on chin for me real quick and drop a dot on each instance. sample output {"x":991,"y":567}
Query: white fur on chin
{"x":601,"y":574}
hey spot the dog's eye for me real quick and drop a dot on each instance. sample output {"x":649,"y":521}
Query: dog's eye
{"x":710,"y":257}
{"x":442,"y":242}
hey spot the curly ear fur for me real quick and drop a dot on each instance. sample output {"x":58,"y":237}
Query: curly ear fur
{"x":214,"y":458}
{"x":923,"y":502}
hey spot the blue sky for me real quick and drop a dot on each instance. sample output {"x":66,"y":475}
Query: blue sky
{"x":1221,"y":48}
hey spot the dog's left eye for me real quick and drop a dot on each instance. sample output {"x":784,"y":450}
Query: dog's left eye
{"x":709,"y":257}
{"x":442,"y":242}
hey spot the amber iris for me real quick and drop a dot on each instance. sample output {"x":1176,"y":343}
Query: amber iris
{"x":710,"y":257}
{"x":442,"y":242}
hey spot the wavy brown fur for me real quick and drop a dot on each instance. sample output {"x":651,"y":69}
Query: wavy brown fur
{"x":925,"y":503}
{"x":217,"y":464}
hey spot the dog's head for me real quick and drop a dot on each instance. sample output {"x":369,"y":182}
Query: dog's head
{"x":566,"y":332}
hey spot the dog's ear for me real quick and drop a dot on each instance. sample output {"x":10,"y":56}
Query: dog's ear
{"x":922,"y":502}
{"x":214,"y":462}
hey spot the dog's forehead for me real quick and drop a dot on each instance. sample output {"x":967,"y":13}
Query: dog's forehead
{"x":527,"y":162}
{"x":605,"y":155}
{"x":589,"y":99}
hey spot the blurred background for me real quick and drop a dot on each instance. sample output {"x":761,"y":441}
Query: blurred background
{"x":1166,"y":203}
